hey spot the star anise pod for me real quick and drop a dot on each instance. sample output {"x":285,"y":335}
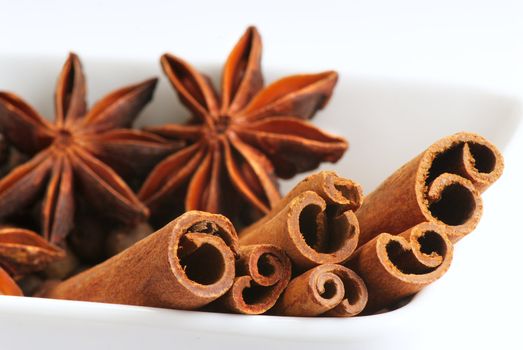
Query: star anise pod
{"x":70,"y":156}
{"x":4,"y":151}
{"x":23,"y":251}
{"x":241,"y":141}
{"x":7,"y":285}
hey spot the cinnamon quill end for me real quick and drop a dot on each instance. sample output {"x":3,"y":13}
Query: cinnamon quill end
{"x":330,"y":289}
{"x":263,"y":272}
{"x":396,"y":266}
{"x":314,"y":224}
{"x":185,"y":265}
{"x":442,"y":185}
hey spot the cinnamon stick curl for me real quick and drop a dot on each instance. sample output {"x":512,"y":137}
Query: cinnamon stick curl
{"x":396,"y":266}
{"x":314,"y":224}
{"x":185,"y":265}
{"x":263,"y":272}
{"x":441,"y":185}
{"x":329,"y":289}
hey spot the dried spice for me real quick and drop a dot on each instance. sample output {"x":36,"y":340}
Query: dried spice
{"x":329,"y":289}
{"x":4,"y":151}
{"x":7,"y":285}
{"x":239,"y":142}
{"x":394,"y":267}
{"x":314,"y":223}
{"x":262,"y":273}
{"x":441,"y":185}
{"x":62,"y":268}
{"x":185,"y":265}
{"x":23,"y":251}
{"x":322,"y":250}
{"x":69,"y":156}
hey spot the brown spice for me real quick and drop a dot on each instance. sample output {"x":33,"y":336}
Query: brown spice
{"x":314,"y":224}
{"x":396,"y":266}
{"x":7,"y":285}
{"x":4,"y":151}
{"x":23,"y":251}
{"x":63,"y":268}
{"x":241,"y":141}
{"x":263,"y":271}
{"x":329,"y":289}
{"x":185,"y":265}
{"x":71,"y":154}
{"x":441,"y":185}
{"x":88,"y":237}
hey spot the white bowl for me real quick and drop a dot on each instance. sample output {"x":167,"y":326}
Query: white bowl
{"x":387,"y":123}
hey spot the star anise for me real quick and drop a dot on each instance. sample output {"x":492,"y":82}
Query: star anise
{"x":7,"y":285}
{"x":71,"y":154}
{"x":22,"y":251}
{"x":4,"y":150}
{"x":241,"y":141}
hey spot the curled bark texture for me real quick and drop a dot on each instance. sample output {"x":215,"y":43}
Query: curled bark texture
{"x":185,"y":265}
{"x":396,"y":266}
{"x":314,"y":224}
{"x":329,"y":289}
{"x":7,"y":285}
{"x":441,"y":185}
{"x":263,"y":271}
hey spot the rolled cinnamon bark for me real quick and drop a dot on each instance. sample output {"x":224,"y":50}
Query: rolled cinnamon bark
{"x":441,"y":185}
{"x":185,"y":265}
{"x":314,"y":224}
{"x":330,"y":289}
{"x":263,"y":272}
{"x":343,"y":193}
{"x":396,"y":266}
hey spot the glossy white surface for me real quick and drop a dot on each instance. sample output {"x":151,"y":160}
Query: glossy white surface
{"x":387,"y":123}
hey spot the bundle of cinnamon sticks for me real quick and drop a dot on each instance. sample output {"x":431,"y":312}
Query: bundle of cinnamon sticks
{"x":324,"y":249}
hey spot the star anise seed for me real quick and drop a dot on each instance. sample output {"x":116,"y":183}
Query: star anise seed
{"x":241,"y":141}
{"x":71,"y":155}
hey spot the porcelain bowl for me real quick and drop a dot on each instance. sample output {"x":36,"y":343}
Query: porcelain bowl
{"x":386,"y":122}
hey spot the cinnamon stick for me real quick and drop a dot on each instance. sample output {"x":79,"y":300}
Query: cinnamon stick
{"x":441,"y":185}
{"x":263,"y":272}
{"x":329,"y":289}
{"x":396,"y":266}
{"x":185,"y":265}
{"x":314,"y":224}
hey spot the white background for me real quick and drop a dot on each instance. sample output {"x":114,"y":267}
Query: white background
{"x":476,"y":43}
